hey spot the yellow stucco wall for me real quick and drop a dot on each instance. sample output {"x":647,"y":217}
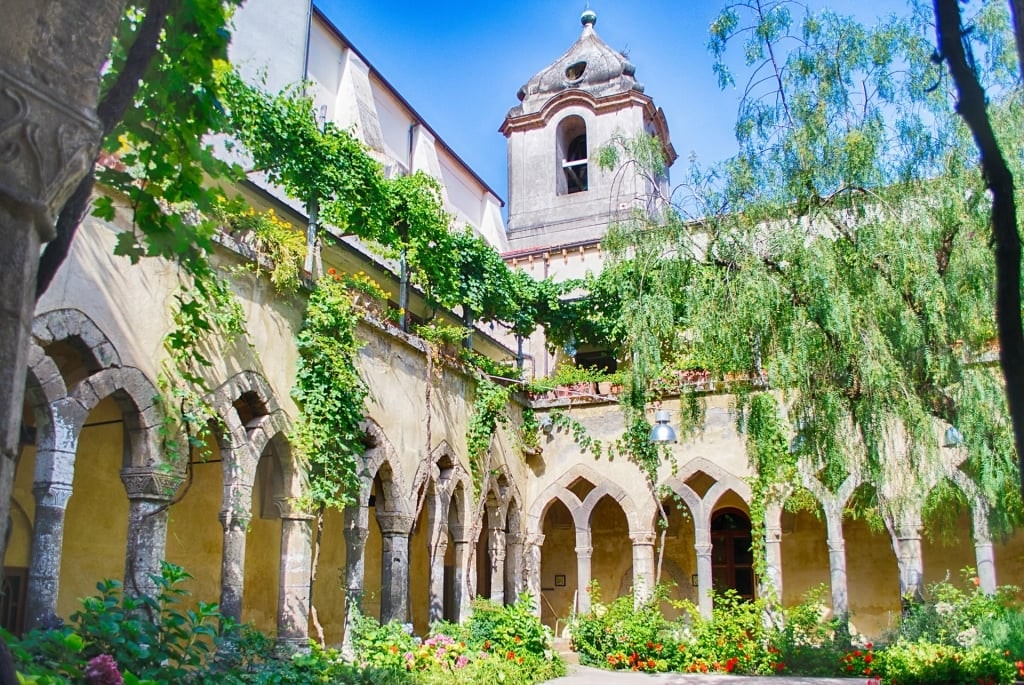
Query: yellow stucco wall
{"x":96,"y":523}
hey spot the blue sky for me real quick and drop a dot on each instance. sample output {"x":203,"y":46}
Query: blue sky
{"x":460,"y":63}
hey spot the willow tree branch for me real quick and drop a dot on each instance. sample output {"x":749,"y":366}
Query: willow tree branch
{"x":110,"y":111}
{"x":1005,"y":238}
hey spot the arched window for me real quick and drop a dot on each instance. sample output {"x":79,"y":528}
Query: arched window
{"x":572,"y":155}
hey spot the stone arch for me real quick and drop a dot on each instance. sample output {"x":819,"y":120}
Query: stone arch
{"x":235,"y":390}
{"x":724,"y":480}
{"x":66,"y":324}
{"x":541,"y":504}
{"x":685,"y":493}
{"x":381,"y":455}
{"x":44,"y":383}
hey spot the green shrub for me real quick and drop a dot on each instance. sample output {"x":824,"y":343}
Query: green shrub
{"x":153,"y":639}
{"x":1004,"y":632}
{"x":807,"y":641}
{"x":502,"y":644}
{"x":735,"y":640}
{"x":925,"y":663}
{"x":951,"y":616}
{"x":624,"y":635}
{"x":513,"y":628}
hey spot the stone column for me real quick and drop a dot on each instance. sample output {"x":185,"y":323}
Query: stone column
{"x":534,"y":546}
{"x":47,"y":545}
{"x":771,"y":584}
{"x":232,"y":569}
{"x":149,"y":494}
{"x":295,"y":577}
{"x":440,"y":548}
{"x":837,"y":559}
{"x":356,"y":532}
{"x":496,"y":550}
{"x":983,"y":553}
{"x":583,"y":553}
{"x":911,"y":563}
{"x":461,"y":547}
{"x":704,"y":577}
{"x":49,"y":78}
{"x":513,"y":567}
{"x":394,"y":566}
{"x":643,"y":565}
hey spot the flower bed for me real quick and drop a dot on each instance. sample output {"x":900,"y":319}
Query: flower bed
{"x":958,"y":638}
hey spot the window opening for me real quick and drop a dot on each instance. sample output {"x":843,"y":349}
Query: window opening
{"x":576,"y":165}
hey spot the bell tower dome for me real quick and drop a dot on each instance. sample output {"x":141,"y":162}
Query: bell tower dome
{"x":558,"y":196}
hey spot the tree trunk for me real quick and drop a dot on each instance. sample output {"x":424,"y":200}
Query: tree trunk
{"x":1005,"y":237}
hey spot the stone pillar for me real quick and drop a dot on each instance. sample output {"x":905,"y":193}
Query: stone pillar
{"x":149,"y":494}
{"x":496,"y":550}
{"x":295,"y":577}
{"x":49,"y":77}
{"x":461,"y":548}
{"x":534,"y":546}
{"x":643,"y":565}
{"x":356,"y":532}
{"x":771,"y":584}
{"x":47,"y":545}
{"x":439,"y":549}
{"x":583,"y":554}
{"x":983,"y":553}
{"x":705,"y":579}
{"x":513,"y":567}
{"x":837,"y":560}
{"x":394,"y":566}
{"x":232,"y":568}
{"x":911,"y":563}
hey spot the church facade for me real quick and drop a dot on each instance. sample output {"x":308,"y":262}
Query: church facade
{"x":95,"y":496}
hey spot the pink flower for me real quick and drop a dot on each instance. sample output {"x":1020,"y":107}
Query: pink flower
{"x":102,"y":670}
{"x":461,"y":661}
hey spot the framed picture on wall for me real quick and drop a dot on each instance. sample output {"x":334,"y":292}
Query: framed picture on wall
{"x":560,"y":580}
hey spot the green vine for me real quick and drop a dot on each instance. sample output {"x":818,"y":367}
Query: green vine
{"x":489,"y":411}
{"x":200,"y":312}
{"x":330,"y":394}
{"x":563,"y":421}
{"x":772,"y":462}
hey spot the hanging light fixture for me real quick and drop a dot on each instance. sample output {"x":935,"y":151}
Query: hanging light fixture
{"x":662,"y":433}
{"x":954,"y":438}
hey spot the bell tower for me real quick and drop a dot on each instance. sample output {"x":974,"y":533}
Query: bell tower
{"x":560,"y":200}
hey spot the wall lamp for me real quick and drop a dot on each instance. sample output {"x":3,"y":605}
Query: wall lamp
{"x":662,"y":433}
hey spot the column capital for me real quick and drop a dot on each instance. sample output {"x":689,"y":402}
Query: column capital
{"x":643,"y":537}
{"x":394,"y":523}
{"x":535,"y":539}
{"x":773,"y":533}
{"x":231,"y":519}
{"x":54,"y":495}
{"x":584,"y":552}
{"x":148,"y":483}
{"x":703,"y":550}
{"x":52,"y":145}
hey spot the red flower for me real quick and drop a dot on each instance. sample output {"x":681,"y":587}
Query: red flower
{"x":511,"y":655}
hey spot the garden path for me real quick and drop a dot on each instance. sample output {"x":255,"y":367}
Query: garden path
{"x":578,"y":675}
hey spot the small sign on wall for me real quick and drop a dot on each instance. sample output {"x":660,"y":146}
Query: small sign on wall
{"x":560,"y":580}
